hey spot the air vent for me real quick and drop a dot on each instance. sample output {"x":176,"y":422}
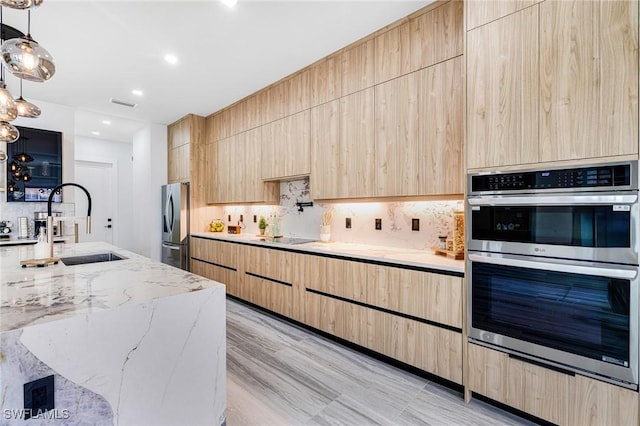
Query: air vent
{"x":123,"y":103}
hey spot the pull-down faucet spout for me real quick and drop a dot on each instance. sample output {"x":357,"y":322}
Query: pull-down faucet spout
{"x":50,"y":218}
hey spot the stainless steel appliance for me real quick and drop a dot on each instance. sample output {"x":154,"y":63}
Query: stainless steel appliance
{"x":552,"y":267}
{"x":175,"y":225}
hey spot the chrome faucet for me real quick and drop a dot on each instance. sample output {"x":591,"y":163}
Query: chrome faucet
{"x":50,"y":218}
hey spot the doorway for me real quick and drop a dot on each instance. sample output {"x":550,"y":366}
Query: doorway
{"x":100,"y":179}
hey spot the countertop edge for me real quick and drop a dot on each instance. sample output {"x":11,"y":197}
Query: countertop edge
{"x":442,"y":265}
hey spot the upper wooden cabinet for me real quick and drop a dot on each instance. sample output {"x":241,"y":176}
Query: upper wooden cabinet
{"x":437,"y":35}
{"x":393,"y":53}
{"x":554,"y":81}
{"x":588,"y":79}
{"x":482,"y":12}
{"x":342,"y":147}
{"x":358,"y":67}
{"x":503,"y":91}
{"x":419,"y":138}
{"x":285,"y":147}
{"x":179,"y":138}
{"x":237,"y":178}
{"x":325,"y":80}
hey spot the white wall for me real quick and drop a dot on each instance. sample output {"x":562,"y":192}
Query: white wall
{"x":118,"y":153}
{"x":149,"y":174}
{"x":58,"y":118}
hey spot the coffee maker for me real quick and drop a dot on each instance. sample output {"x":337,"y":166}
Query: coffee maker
{"x":40,"y":221}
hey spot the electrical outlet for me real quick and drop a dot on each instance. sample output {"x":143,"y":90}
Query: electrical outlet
{"x":378,"y":224}
{"x":241,"y":218}
{"x":255,"y":218}
{"x":415,"y":224}
{"x":347,"y":223}
{"x":228,"y":218}
{"x":38,"y":396}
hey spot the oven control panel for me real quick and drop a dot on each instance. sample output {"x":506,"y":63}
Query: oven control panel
{"x":606,"y":176}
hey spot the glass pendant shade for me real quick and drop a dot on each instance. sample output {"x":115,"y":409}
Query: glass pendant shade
{"x":26,"y":59}
{"x":27,"y":109}
{"x":8,"y":132}
{"x":8,"y":107}
{"x":20,"y":4}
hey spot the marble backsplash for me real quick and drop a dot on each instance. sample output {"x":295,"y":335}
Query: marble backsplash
{"x":436,"y":218}
{"x":12,"y":211}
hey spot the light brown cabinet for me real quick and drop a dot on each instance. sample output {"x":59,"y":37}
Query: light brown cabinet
{"x":433,"y":297}
{"x":285,"y":147}
{"x":555,"y":396}
{"x":482,"y":12}
{"x":419,"y":132}
{"x":502,"y":91}
{"x":235,"y":183}
{"x":325,"y":81}
{"x":357,"y":63}
{"x":588,"y":79}
{"x":342,"y":147}
{"x":437,"y":35}
{"x":216,"y":260}
{"x":179,"y":137}
{"x":393,"y":53}
{"x":551,"y":82}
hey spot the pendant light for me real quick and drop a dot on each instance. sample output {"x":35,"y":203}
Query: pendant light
{"x":8,"y":132}
{"x":25,"y":58}
{"x":20,"y":4}
{"x":26,"y":108}
{"x":8,"y":109}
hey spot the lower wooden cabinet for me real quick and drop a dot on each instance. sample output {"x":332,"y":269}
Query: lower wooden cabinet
{"x":555,"y":396}
{"x":339,"y":318}
{"x":216,"y":260}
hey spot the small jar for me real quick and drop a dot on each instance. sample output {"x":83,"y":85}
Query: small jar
{"x":442,"y":244}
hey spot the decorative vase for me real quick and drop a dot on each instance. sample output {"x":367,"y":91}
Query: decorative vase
{"x":261,"y":231}
{"x":325,"y":233}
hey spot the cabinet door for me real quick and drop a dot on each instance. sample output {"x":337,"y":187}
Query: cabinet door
{"x":358,"y":67}
{"x":433,"y":349}
{"x":502,"y":91}
{"x":441,"y":141}
{"x":297,"y":92}
{"x":328,"y":170}
{"x":342,"y":319}
{"x":482,"y":12}
{"x":434,"y":297}
{"x":437,"y":35}
{"x":210,"y":176}
{"x":357,"y":144}
{"x":589,"y":79}
{"x":325,"y":80}
{"x":178,"y":164}
{"x":597,"y":403}
{"x":224,"y":171}
{"x":286,"y":146}
{"x":178,"y":133}
{"x":254,"y":188}
{"x":393,"y":53}
{"x":396,"y":137}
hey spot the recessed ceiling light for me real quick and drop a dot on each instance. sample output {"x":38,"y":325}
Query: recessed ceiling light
{"x":229,"y":3}
{"x":95,"y":133}
{"x":172,"y":59}
{"x":137,"y":92}
{"x":106,"y":122}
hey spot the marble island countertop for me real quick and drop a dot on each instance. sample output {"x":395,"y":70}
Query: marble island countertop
{"x":15,"y":241}
{"x":392,"y":255}
{"x":37,"y":295}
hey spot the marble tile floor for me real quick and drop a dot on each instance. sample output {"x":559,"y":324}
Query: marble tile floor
{"x":280,"y":374}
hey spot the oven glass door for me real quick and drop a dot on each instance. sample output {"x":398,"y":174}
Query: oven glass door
{"x":587,"y":311}
{"x":581,"y":226}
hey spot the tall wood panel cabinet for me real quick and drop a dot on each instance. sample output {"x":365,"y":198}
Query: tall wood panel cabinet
{"x":179,"y":137}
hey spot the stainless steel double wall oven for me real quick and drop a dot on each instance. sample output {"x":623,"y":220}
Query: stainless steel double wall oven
{"x":552,"y":267}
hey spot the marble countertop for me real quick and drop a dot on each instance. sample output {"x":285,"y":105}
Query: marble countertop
{"x":393,"y":255}
{"x":41,"y":294}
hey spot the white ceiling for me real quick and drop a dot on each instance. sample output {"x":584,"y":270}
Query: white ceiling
{"x":105,"y":49}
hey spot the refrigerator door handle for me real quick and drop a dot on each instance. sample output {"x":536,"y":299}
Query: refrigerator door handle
{"x":171,"y":246}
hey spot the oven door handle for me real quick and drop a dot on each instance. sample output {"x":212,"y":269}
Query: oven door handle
{"x":600,"y":271}
{"x":553,"y":200}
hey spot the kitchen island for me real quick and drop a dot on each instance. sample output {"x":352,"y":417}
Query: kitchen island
{"x":129,"y":342}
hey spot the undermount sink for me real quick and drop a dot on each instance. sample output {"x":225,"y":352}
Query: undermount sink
{"x":91,"y":258}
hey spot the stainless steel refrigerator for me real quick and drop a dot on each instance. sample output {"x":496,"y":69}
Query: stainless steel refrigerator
{"x":175,"y":225}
